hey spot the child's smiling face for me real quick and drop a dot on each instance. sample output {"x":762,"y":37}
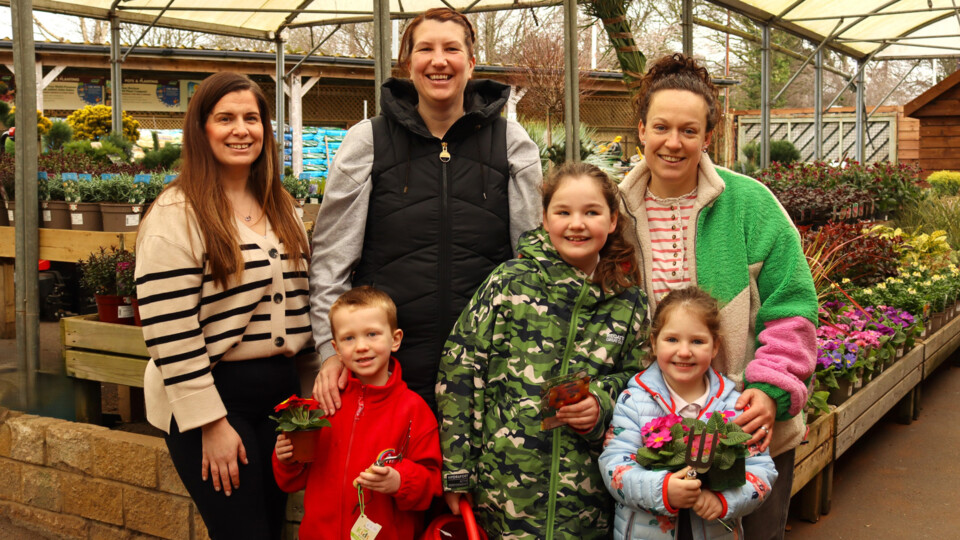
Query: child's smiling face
{"x":364,"y":341}
{"x":684,"y":349}
{"x":578,"y":221}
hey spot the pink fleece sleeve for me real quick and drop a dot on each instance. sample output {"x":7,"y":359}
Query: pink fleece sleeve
{"x":786,"y":358}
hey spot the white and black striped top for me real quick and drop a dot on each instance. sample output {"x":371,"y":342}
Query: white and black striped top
{"x":190,"y":323}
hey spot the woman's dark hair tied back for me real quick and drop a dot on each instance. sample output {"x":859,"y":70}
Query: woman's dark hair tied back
{"x":679,"y":72}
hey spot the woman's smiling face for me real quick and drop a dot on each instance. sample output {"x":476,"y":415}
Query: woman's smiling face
{"x":440,"y":63}
{"x":674,"y":135}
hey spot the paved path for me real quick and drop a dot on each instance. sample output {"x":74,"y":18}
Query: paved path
{"x":899,"y":481}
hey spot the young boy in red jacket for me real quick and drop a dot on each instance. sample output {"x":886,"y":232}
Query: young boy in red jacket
{"x":379,"y":413}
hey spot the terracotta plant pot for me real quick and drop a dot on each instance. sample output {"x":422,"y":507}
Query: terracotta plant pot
{"x":304,"y":443}
{"x":112,"y":308}
{"x":85,"y":217}
{"x":120,"y":217}
{"x":54,"y":215}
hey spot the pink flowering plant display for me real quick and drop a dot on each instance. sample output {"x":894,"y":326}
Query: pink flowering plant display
{"x":665,"y":441}
{"x":851,"y":339}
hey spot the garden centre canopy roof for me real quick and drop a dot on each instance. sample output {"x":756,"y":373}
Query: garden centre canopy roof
{"x":881,"y":29}
{"x":261,"y":18}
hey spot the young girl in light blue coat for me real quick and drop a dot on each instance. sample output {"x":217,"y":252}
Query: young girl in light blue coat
{"x":653,"y":505}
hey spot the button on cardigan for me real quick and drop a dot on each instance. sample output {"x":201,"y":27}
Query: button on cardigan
{"x":190,"y":323}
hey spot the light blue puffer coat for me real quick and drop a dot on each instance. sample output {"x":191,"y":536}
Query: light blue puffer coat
{"x":641,"y":512}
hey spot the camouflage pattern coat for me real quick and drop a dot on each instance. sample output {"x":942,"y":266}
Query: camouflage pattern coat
{"x":533,"y":319}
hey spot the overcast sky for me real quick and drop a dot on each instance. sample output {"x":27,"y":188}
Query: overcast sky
{"x":61,"y":25}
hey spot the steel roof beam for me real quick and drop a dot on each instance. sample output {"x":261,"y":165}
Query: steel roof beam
{"x":816,"y":51}
{"x":144,"y":33}
{"x":313,"y":50}
{"x":872,"y":14}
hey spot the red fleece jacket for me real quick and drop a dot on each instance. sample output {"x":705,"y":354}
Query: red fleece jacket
{"x":371,"y":419}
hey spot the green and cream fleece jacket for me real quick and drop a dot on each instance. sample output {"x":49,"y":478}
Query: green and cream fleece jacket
{"x":535,"y":318}
{"x":749,"y":257}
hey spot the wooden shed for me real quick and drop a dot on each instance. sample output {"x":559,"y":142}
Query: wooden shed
{"x":938,"y":110}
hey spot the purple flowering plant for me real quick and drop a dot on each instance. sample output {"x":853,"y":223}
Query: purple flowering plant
{"x":852,"y":338}
{"x":665,"y":441}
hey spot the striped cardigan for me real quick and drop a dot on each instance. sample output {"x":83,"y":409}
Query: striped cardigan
{"x":190,"y":324}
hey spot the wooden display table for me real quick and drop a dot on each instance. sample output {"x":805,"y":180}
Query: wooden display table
{"x":61,"y":245}
{"x":96,"y":352}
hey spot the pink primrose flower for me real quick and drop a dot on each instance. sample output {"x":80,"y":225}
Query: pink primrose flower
{"x":657,"y":439}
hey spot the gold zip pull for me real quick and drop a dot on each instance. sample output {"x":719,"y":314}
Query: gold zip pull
{"x":444,"y":155}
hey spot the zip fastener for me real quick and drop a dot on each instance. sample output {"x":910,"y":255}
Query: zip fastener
{"x":443,"y":270}
{"x":356,"y":418}
{"x":555,"y":453}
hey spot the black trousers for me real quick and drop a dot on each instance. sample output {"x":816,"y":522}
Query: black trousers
{"x":249,"y":390}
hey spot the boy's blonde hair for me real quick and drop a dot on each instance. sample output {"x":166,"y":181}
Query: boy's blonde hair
{"x":365,"y":296}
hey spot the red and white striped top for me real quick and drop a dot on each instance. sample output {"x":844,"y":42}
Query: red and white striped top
{"x":668,"y":220}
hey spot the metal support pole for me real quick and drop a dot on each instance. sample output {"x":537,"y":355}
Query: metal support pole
{"x":27,"y":252}
{"x":571,"y":99}
{"x":686,"y":25}
{"x":116,"y":76}
{"x":765,"y":98}
{"x":818,"y":107}
{"x":861,"y":113}
{"x":281,"y":101}
{"x":382,"y":57}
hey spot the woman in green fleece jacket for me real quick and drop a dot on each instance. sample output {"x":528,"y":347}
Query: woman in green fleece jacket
{"x":697,"y":223}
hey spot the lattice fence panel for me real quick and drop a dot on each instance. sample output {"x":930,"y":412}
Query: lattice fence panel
{"x":802,"y":134}
{"x":877,"y":147}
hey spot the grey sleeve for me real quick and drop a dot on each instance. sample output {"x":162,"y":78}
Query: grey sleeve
{"x":526,"y":177}
{"x":340,"y":226}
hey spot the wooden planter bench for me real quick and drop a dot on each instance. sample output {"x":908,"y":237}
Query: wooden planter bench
{"x":96,"y":352}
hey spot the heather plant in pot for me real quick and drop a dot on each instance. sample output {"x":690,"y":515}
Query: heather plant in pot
{"x":108,"y":274}
{"x":300,"y":419}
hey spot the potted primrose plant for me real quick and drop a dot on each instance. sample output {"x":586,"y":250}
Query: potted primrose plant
{"x":300,"y":420}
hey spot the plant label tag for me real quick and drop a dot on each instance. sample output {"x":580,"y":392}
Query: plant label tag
{"x":107,"y":176}
{"x":125,"y":312}
{"x":41,"y":175}
{"x":47,"y":216}
{"x":115,"y":159}
{"x":141,"y":179}
{"x":68,"y":176}
{"x":300,"y":212}
{"x":85,"y":177}
{"x":76,"y":219}
{"x":364,"y":529}
{"x":10,"y":215}
{"x":169,"y":178}
{"x":133,"y":220}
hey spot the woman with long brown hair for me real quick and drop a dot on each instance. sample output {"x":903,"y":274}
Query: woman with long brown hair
{"x":223,"y":294}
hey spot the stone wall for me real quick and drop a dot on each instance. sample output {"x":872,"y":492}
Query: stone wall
{"x":62,"y":479}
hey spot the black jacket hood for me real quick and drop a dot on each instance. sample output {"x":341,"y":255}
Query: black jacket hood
{"x":482,"y":99}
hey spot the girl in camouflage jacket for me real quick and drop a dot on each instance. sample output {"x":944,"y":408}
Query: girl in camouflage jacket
{"x":570,"y":303}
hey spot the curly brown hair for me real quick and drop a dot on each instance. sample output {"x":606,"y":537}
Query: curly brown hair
{"x":618,"y":268}
{"x":679,"y":72}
